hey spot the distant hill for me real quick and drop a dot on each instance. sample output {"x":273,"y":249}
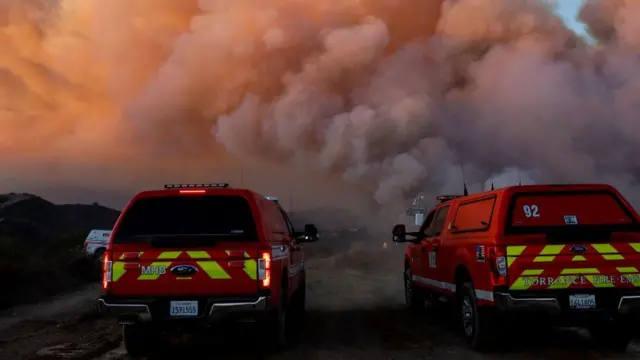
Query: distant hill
{"x":30,"y":218}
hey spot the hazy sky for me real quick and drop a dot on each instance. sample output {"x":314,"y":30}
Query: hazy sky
{"x":568,"y":9}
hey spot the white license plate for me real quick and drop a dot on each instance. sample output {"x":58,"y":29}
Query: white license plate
{"x":183,"y":308}
{"x":582,"y":301}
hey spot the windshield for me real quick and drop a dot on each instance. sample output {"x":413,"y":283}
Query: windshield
{"x":200,"y":219}
{"x":568,"y":209}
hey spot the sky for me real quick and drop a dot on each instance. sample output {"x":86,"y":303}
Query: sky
{"x":569,"y":9}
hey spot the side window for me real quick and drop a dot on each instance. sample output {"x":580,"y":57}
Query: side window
{"x":427,"y":222}
{"x":474,"y":215}
{"x":438,"y":222}
{"x":287,"y":221}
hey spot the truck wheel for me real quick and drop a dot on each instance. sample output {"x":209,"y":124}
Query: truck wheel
{"x":138,"y":340}
{"x":614,"y":336}
{"x":97,"y":259}
{"x":99,"y":256}
{"x":479,"y":325}
{"x":412,"y":296}
{"x":276,"y":325}
{"x":298,"y":303}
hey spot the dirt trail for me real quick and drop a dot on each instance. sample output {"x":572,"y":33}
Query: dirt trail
{"x":355,"y":312}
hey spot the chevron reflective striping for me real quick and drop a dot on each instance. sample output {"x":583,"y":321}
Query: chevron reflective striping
{"x":169,"y":255}
{"x":117,"y":270}
{"x":214,"y":270}
{"x":251,"y":267}
{"x":198,"y":254}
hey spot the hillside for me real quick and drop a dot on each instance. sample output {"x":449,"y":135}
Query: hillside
{"x":41,"y":246}
{"x":30,"y":219}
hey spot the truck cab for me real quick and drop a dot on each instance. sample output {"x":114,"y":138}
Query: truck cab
{"x":567,"y":254}
{"x":199,"y":254}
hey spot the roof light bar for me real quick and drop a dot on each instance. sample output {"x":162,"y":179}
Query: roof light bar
{"x":443,"y":198}
{"x":188,"y":186}
{"x":272,"y":198}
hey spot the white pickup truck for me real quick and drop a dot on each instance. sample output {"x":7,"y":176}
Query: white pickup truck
{"x":96,"y":243}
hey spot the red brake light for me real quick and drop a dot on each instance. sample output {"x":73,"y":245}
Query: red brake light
{"x":193,"y":191}
{"x":264,"y":269}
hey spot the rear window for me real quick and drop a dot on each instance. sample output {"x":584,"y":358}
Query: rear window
{"x":227,"y":218}
{"x":568,"y":209}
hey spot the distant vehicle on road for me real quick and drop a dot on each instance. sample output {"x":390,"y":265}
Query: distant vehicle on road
{"x":568,"y":254}
{"x":194,"y":254}
{"x":96,"y":243}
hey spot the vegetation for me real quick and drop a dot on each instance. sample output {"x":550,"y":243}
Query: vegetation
{"x":41,"y":246}
{"x":31,"y":273}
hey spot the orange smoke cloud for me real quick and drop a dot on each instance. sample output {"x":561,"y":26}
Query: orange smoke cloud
{"x":368,"y":98}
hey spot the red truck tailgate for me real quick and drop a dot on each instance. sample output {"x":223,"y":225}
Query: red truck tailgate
{"x":203,"y":271}
{"x":562,"y":266}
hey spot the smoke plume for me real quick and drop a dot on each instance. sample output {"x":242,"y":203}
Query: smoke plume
{"x":378,"y":98}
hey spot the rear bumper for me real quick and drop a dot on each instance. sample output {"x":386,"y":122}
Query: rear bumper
{"x":131,"y":310}
{"x":609,"y":304}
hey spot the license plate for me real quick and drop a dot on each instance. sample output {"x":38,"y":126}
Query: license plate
{"x":183,"y":308}
{"x":582,"y":301}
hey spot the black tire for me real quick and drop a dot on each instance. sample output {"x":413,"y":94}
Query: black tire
{"x":98,"y":255}
{"x":614,"y":336}
{"x":275,"y":325}
{"x":479,"y":325}
{"x":139,"y":340}
{"x":299,"y":304}
{"x":412,"y":296}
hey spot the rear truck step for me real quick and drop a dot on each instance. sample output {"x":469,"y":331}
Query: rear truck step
{"x":208,"y":309}
{"x":552,"y":305}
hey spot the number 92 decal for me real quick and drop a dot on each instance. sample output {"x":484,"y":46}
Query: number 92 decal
{"x":531,"y":211}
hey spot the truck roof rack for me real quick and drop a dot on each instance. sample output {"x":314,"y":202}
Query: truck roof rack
{"x":188,"y":186}
{"x":445,"y":198}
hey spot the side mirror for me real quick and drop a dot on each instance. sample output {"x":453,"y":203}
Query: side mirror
{"x":399,"y":233}
{"x":310,"y":234}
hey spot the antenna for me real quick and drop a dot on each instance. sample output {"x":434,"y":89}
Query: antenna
{"x":290,"y":204}
{"x":519,"y":178}
{"x":492,"y":188}
{"x":464,"y":182}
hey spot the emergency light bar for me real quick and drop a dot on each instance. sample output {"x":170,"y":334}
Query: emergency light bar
{"x":272,"y":198}
{"x":443,"y":198}
{"x":188,"y":186}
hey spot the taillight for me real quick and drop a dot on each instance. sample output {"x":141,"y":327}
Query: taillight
{"x":498,"y":263}
{"x":86,"y":244}
{"x":264,"y":269}
{"x":107,"y":271}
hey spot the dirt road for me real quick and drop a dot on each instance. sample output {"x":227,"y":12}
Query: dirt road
{"x":355,"y":312}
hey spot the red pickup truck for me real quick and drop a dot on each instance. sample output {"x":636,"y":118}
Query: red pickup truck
{"x":565,"y":254}
{"x":193,"y":254}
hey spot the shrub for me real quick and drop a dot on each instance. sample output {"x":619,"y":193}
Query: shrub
{"x":31,"y":272}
